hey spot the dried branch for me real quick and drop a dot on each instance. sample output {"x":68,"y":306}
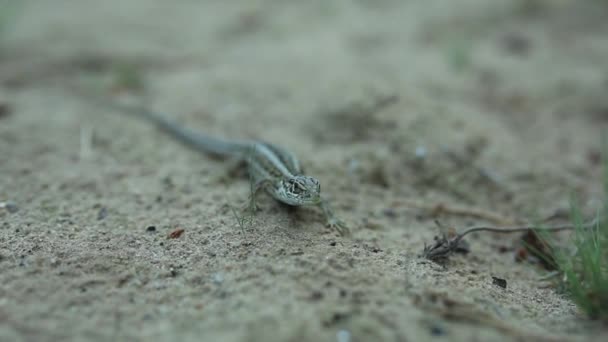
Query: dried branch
{"x":444,"y":246}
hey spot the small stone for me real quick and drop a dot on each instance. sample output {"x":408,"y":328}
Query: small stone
{"x":420,"y":152}
{"x":390,"y":213}
{"x":9,"y":206}
{"x":151,"y":229}
{"x":102,"y":214}
{"x":343,"y":336}
{"x":218,"y":278}
{"x":516,"y":43}
{"x":499,"y":282}
{"x":437,"y":330}
{"x":176,"y":233}
{"x":316,"y":295}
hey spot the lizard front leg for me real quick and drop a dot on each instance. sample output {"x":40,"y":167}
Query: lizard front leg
{"x":332,"y":220}
{"x":256,"y":186}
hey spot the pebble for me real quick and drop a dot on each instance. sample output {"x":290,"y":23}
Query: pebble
{"x":437,"y":330}
{"x":9,"y":206}
{"x":420,"y":152}
{"x":218,"y":278}
{"x":102,"y":214}
{"x":499,"y":282}
{"x":343,"y":336}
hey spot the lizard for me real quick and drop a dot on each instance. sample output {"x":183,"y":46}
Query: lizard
{"x":270,"y":167}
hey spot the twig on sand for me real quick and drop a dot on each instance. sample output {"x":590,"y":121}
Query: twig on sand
{"x":444,"y":246}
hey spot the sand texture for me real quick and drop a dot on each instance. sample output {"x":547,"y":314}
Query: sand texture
{"x":466,"y":112}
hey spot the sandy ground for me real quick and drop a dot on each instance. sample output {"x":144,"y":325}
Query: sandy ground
{"x":407,"y":111}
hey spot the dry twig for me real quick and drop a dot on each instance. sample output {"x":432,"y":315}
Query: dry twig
{"x":444,"y":246}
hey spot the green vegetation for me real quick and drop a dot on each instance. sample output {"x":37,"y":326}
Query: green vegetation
{"x":585,"y":273}
{"x":460,"y":55}
{"x":128,"y":77}
{"x":244,"y":221}
{"x":584,"y":267}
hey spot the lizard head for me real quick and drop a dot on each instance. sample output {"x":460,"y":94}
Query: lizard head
{"x":300,"y":190}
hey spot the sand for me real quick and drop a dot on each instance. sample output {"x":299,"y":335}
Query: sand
{"x":467,"y":112}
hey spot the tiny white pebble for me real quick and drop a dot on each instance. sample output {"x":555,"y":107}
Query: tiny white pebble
{"x":343,"y":336}
{"x":420,"y":152}
{"x":353,"y":165}
{"x":218,"y":278}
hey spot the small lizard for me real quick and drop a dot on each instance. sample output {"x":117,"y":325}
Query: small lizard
{"x":270,"y":167}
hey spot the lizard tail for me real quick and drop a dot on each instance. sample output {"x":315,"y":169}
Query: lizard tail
{"x":206,"y":143}
{"x":199,"y":141}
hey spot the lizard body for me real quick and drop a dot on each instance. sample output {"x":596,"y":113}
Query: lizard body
{"x":270,"y":167}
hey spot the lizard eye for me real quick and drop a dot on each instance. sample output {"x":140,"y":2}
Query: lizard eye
{"x":295,"y":187}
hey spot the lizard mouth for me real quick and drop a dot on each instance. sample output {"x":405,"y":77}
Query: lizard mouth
{"x":306,"y":201}
{"x":313,"y":200}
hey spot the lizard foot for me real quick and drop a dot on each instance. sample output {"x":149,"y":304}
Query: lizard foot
{"x":338,"y":225}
